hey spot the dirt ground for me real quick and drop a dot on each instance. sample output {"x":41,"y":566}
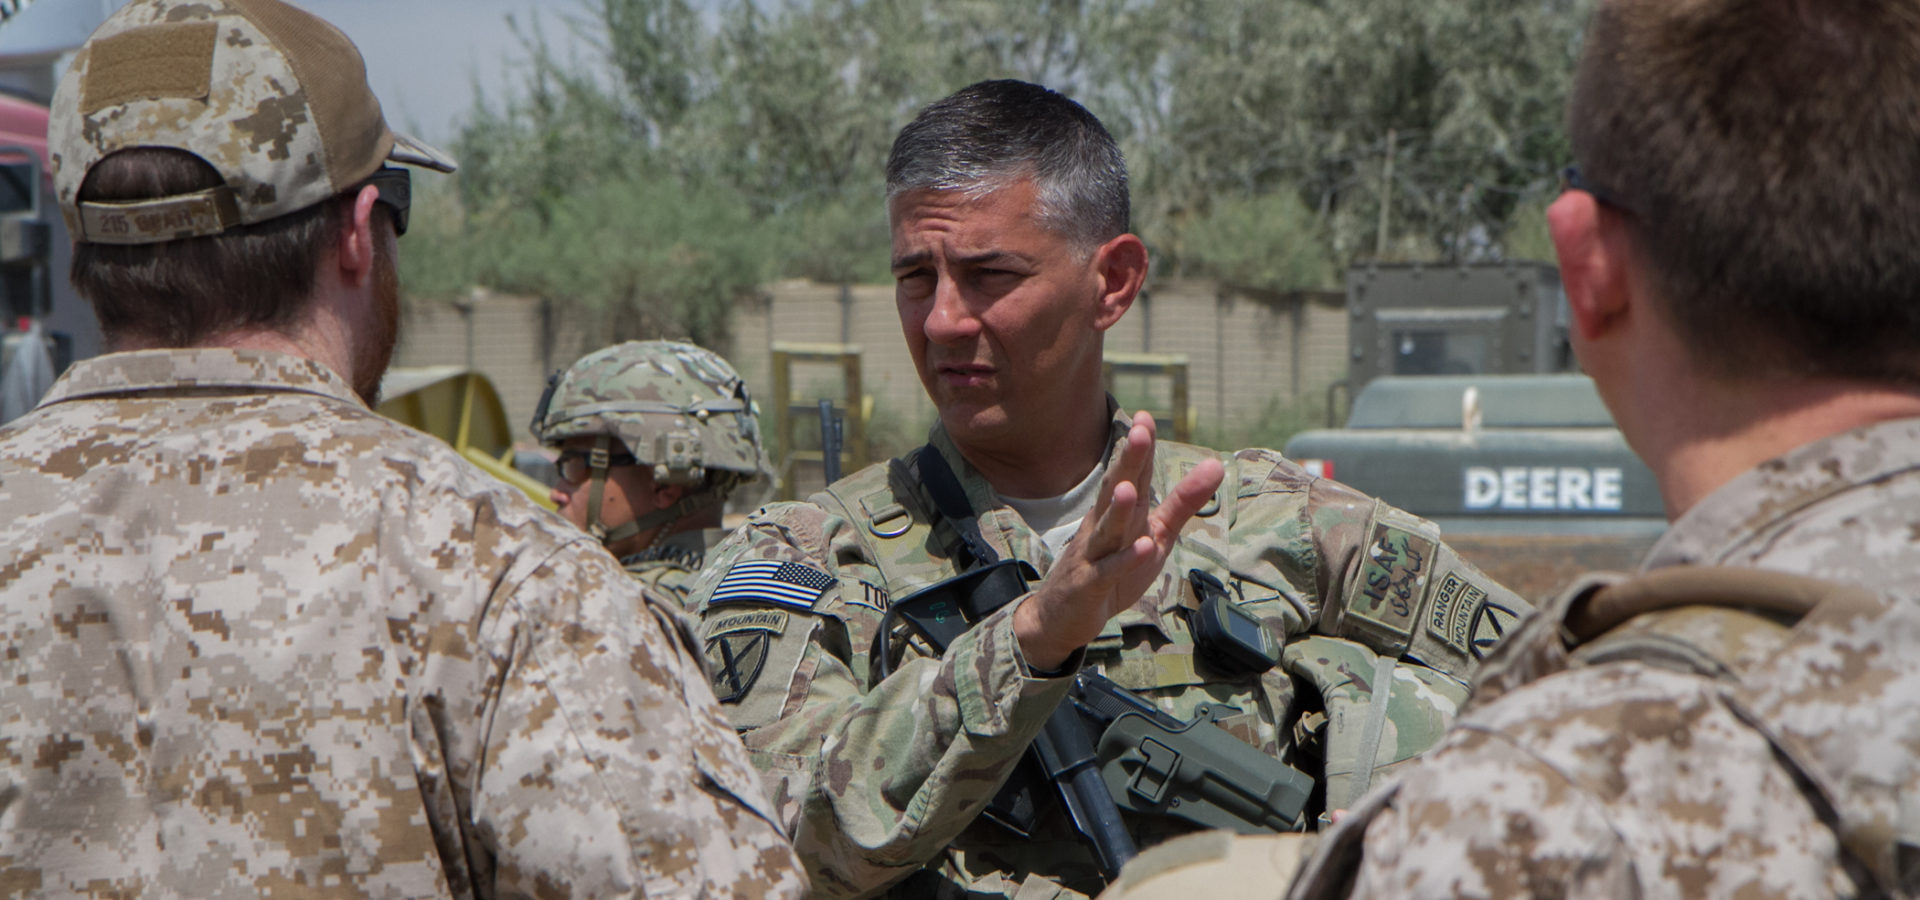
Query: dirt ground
{"x":1535,"y":566}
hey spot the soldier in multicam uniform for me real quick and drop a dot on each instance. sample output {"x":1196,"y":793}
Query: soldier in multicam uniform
{"x":260,"y":640}
{"x":1740,"y":247}
{"x":1011,"y":251}
{"x":653,"y":436}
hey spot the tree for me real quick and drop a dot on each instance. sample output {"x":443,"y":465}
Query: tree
{"x":702,"y":148}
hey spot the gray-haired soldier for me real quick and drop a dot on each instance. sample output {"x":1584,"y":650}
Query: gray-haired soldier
{"x":260,"y":640}
{"x":1287,"y":618}
{"x":654,"y":436}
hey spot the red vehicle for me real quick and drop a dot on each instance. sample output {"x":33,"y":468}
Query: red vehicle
{"x":35,"y":343}
{"x":23,"y":124}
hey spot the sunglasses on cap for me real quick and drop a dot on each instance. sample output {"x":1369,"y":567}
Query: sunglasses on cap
{"x":395,"y":185}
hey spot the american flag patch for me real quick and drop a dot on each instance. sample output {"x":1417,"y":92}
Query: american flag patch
{"x":772,"y":581}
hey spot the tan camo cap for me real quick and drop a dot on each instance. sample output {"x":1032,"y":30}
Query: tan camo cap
{"x":271,"y":96}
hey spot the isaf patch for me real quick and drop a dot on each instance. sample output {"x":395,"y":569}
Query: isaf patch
{"x":788,"y":584}
{"x":735,"y":661}
{"x":1393,"y":574}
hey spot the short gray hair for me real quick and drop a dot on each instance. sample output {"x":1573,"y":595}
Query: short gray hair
{"x":991,"y":133}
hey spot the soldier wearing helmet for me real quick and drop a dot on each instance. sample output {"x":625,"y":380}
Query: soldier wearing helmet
{"x":653,"y":437}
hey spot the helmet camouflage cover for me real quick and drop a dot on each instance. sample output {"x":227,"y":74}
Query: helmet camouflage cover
{"x":675,"y":405}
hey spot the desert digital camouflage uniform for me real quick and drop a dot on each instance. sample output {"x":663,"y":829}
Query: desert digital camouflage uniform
{"x":263,"y":641}
{"x":878,"y":781}
{"x":1598,"y":776}
{"x":668,"y":568}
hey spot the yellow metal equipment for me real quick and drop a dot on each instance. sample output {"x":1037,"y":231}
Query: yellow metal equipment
{"x":855,"y":407}
{"x":461,"y":407}
{"x":1172,"y":366}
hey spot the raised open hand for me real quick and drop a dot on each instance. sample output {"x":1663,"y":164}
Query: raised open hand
{"x":1117,"y":553}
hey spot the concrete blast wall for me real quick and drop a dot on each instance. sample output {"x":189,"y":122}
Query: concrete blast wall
{"x":1244,"y":349}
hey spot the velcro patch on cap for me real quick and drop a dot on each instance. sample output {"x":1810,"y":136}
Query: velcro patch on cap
{"x":772,"y":581}
{"x":152,"y":63}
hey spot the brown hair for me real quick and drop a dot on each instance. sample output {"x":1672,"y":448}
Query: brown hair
{"x":180,"y":293}
{"x":1767,"y":157}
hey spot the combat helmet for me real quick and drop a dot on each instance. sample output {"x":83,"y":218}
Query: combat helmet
{"x":678,"y":407}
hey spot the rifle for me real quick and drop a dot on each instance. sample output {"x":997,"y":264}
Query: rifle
{"x":830,"y":441}
{"x":1063,"y":750}
{"x":1105,"y":746}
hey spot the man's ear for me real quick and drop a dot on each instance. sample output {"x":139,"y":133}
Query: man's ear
{"x":1121,"y":265}
{"x":353,"y":251}
{"x":1592,"y":245}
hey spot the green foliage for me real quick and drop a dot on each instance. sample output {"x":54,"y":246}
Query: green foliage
{"x":701,"y":147}
{"x":836,"y":241}
{"x":1269,"y":241}
{"x":1277,"y":423}
{"x":1526,"y":236}
{"x":1464,"y":97}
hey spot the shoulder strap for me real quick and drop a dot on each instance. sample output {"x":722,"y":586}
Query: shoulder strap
{"x":1601,"y":613}
{"x":870,"y":498}
{"x":1777,"y":594}
{"x":1711,"y":621}
{"x":951,"y":500}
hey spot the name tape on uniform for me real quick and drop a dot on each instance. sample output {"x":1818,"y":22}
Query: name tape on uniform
{"x":772,"y":581}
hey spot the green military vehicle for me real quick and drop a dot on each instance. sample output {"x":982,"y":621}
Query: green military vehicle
{"x":1467,"y":410}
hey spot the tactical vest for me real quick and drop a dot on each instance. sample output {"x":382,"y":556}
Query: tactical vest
{"x":1417,"y":643}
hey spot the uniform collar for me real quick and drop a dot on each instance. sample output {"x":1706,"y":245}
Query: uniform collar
{"x":202,"y":368}
{"x":684,"y":548}
{"x":1776,"y":491}
{"x":980,"y":494}
{"x":1010,"y":536}
{"x":999,"y":523}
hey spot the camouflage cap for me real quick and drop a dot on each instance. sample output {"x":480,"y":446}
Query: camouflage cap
{"x":272,"y":97}
{"x":678,"y":406}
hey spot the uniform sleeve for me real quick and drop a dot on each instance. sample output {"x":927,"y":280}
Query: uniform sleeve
{"x":874,"y":782}
{"x":1388,"y":581}
{"x":1477,"y":818}
{"x":606,"y":768}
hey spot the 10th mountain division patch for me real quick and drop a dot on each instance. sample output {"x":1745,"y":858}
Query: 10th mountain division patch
{"x":738,"y":642}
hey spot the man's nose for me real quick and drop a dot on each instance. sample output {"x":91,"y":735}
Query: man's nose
{"x":952,"y":318}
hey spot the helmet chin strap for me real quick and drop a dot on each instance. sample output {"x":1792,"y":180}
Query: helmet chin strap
{"x":599,"y":462}
{"x":688,"y":504}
